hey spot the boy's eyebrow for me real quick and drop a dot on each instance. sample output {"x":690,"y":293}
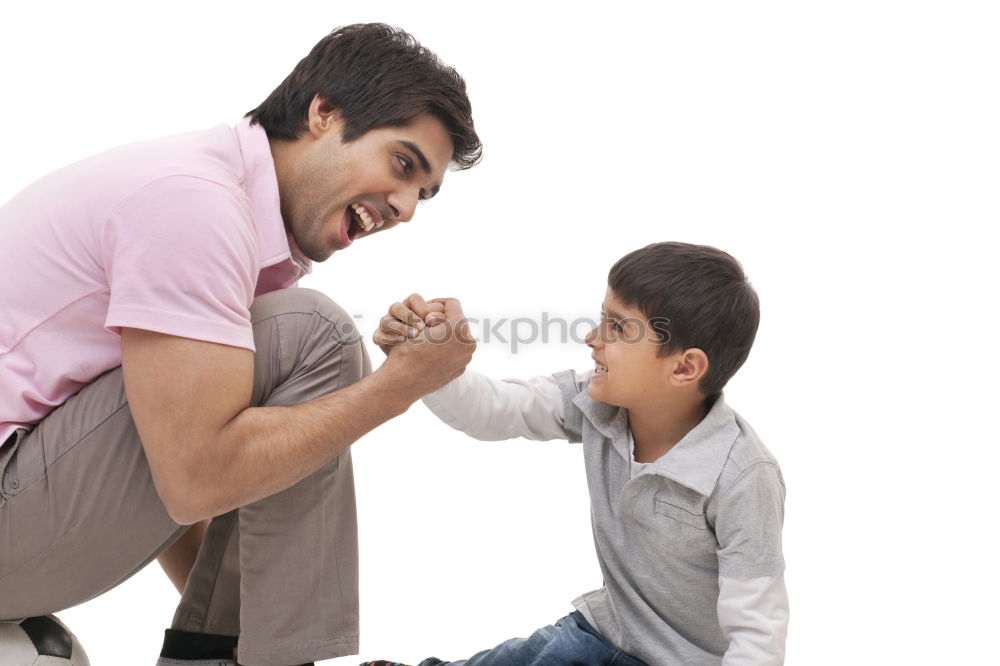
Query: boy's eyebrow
{"x":611,"y":313}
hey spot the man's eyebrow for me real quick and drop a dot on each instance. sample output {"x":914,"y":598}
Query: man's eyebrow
{"x":425,"y":166}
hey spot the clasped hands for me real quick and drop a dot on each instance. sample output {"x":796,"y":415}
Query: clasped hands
{"x":430,"y":340}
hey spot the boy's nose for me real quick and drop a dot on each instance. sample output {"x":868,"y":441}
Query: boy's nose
{"x":592,"y":338}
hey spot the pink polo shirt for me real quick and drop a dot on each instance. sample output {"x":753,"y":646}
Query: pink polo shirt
{"x":175,"y":235}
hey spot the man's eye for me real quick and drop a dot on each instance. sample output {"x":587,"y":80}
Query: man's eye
{"x":404,"y":162}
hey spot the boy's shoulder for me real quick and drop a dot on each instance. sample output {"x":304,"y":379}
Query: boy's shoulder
{"x":723,"y":447}
{"x":572,"y":382}
{"x":577,"y":405}
{"x":749,"y":453}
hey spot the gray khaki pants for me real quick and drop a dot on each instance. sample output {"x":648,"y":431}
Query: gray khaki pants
{"x":79,"y":513}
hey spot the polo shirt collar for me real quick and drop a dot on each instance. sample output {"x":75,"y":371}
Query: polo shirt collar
{"x":260,"y":182}
{"x":697,"y":460}
{"x":694,"y":462}
{"x":610,"y":421}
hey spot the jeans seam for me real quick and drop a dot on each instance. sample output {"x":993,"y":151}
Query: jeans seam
{"x":333,"y":538}
{"x":49,"y":547}
{"x":215,"y":576}
{"x":623,"y":658}
{"x":232,"y":528}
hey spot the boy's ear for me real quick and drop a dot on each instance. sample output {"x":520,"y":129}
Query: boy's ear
{"x":690,"y":366}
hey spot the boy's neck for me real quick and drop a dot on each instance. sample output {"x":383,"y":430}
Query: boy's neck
{"x":656,"y":428}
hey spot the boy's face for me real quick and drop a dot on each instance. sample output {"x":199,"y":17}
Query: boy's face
{"x":628,"y":372}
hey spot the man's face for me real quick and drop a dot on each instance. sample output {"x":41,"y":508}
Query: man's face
{"x":333,"y":189}
{"x":628,"y":372}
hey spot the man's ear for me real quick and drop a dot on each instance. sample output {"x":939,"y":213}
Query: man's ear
{"x":689,"y":367}
{"x":323,"y":118}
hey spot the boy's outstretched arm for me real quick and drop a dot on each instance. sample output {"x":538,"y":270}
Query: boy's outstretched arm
{"x":484,"y":408}
{"x":493,"y":409}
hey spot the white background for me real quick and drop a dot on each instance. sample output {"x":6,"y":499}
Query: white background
{"x":847,"y":153}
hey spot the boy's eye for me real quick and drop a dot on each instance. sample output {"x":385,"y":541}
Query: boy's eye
{"x":404,"y":162}
{"x":615,"y":326}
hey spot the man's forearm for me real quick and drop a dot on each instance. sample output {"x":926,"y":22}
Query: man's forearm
{"x":209,"y":452}
{"x":264,"y":450}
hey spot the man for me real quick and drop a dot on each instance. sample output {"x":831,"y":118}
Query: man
{"x":237,"y":396}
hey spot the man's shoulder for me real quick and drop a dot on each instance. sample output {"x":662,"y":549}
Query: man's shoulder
{"x":90,"y":189}
{"x":195,"y":174}
{"x":212,"y":156}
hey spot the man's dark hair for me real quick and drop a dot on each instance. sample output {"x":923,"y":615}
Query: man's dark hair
{"x":375,"y":76}
{"x":693,"y":296}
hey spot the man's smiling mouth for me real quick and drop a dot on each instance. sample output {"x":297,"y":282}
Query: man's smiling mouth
{"x":362,"y":220}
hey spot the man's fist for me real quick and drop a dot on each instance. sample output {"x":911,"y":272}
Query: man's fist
{"x":430,"y":342}
{"x":407,"y":319}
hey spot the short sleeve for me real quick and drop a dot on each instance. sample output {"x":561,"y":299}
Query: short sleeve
{"x":181,"y":258}
{"x":750,"y":514}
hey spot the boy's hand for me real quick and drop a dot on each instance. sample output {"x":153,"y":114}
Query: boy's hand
{"x":407,"y":319}
{"x":437,"y":354}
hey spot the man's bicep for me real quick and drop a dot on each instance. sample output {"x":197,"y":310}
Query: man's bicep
{"x":181,"y":393}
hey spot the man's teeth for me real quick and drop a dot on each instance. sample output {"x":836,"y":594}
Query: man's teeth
{"x":366,"y":219}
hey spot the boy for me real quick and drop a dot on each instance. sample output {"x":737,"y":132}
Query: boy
{"x":686,"y":502}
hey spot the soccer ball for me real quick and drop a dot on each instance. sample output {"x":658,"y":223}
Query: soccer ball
{"x":39,"y":641}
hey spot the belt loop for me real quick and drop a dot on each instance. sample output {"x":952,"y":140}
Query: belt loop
{"x":8,"y":462}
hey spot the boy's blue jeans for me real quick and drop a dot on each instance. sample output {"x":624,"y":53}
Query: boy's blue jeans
{"x":569,"y":642}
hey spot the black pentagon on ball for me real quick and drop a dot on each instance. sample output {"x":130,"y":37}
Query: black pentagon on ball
{"x":48,"y":636}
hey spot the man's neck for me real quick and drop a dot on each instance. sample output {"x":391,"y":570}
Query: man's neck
{"x":656,"y":428}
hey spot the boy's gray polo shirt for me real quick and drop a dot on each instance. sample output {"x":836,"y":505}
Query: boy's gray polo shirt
{"x":713,"y":506}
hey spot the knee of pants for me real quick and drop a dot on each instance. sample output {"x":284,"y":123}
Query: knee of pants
{"x":296,"y":299}
{"x":313,"y":330}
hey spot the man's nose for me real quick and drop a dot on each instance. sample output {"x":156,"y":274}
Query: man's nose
{"x":404,"y":203}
